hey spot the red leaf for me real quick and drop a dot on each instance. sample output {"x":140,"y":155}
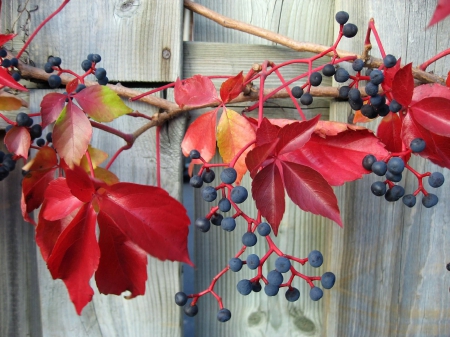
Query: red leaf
{"x":201,"y":136}
{"x":328,"y":128}
{"x":5,"y":38}
{"x":268,"y":192}
{"x":430,"y":90}
{"x":338,"y":158}
{"x":403,"y":85}
{"x":310,"y":191}
{"x":51,"y":107}
{"x":75,"y":257}
{"x":18,"y":141}
{"x":437,"y":147}
{"x":294,"y":136}
{"x":389,"y":132}
{"x":72,"y":85}
{"x":195,"y":91}
{"x":150,"y":217}
{"x":447,"y":81}
{"x":433,"y":113}
{"x":232,"y":87}
{"x":81,"y":186}
{"x":59,"y":200}
{"x":72,"y":134}
{"x":8,"y":81}
{"x":266,"y":133}
{"x":441,"y":12}
{"x":256,"y":157}
{"x":123,"y":265}
{"x":34,"y":185}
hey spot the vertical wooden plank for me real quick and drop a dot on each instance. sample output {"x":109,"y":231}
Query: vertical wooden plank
{"x":19,"y":286}
{"x":139,"y":41}
{"x":391,"y":278}
{"x":258,"y":314}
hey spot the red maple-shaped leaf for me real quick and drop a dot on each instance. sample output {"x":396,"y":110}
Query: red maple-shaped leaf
{"x":72,"y":134}
{"x":441,"y":12}
{"x":433,"y":113}
{"x":76,"y":255}
{"x":389,"y":132}
{"x":338,"y":158}
{"x":437,"y":147}
{"x":8,"y":81}
{"x":201,"y":136}
{"x":197,"y":90}
{"x":231,"y":88}
{"x":123,"y":265}
{"x":403,"y":85}
{"x":18,"y":141}
{"x":101,"y":103}
{"x":279,"y":172}
{"x":51,"y":107}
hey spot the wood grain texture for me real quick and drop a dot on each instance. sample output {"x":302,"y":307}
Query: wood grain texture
{"x":19,"y":286}
{"x":131,"y":36}
{"x":153,"y":314}
{"x":300,"y":232}
{"x":390,"y":260}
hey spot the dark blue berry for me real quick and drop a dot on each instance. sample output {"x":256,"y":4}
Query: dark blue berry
{"x":343,"y":91}
{"x":90,"y":57}
{"x":224,"y":205}
{"x":249,"y":239}
{"x":209,"y":194}
{"x":389,"y":61}
{"x":292,"y":294}
{"x":417,"y":145}
{"x":371,"y":89}
{"x":40,"y":142}
{"x":354,"y":94}
{"x":181,"y":298}
{"x":48,"y":67}
{"x":244,"y":287}
{"x":194,"y":154}
{"x":430,"y":200}
{"x":239,"y":194}
{"x":16,"y":76}
{"x":383,"y":110}
{"x":409,"y":200}
{"x":228,"y":176}
{"x":394,"y":106}
{"x":203,"y":224}
{"x":235,"y":264}
{"x":86,"y":65}
{"x":36,"y":131}
{"x":396,"y":165}
{"x":49,"y":137}
{"x":282,"y":264}
{"x":328,"y":280}
{"x":223,"y":315}
{"x":306,"y":99}
{"x":341,"y":75}
{"x":263,"y":229}
{"x":368,"y":111}
{"x":342,"y":17}
{"x":256,"y":286}
{"x":350,"y":30}
{"x":393,"y":177}
{"x":100,"y":73}
{"x":252,"y":261}
{"x":216,"y":219}
{"x":54,"y":81}
{"x":9,"y":163}
{"x":357,"y":104}
{"x":80,"y":87}
{"x":377,"y":100}
{"x":315,"y":79}
{"x":379,"y":168}
{"x":208,"y":176}
{"x":191,"y":310}
{"x":3,"y":52}
{"x":6,"y":63}
{"x":315,"y":293}
{"x":329,"y":70}
{"x":228,"y":224}
{"x":378,"y":188}
{"x":271,"y":289}
{"x":297,"y":92}
{"x":358,"y":65}
{"x":54,"y":60}
{"x":315,"y":258}
{"x":23,"y":119}
{"x":376,"y":76}
{"x":96,"y":58}
{"x":103,"y":81}
{"x":196,"y":181}
{"x":436,"y":179}
{"x":394,"y":193}
{"x":275,"y":277}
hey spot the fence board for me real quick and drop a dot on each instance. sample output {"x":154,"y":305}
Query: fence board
{"x":131,"y":36}
{"x":389,"y":259}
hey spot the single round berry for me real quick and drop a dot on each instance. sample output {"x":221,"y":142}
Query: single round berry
{"x":191,"y":310}
{"x":16,"y":76}
{"x":203,"y":224}
{"x":394,"y":106}
{"x":49,"y":137}
{"x":306,"y":99}
{"x":315,"y":79}
{"x":430,"y":200}
{"x":3,"y":52}
{"x":315,"y":258}
{"x":224,"y":205}
{"x":357,"y":104}
{"x":223,"y":315}
{"x":196,"y":181}
{"x":256,"y":286}
{"x":96,"y":58}
{"x":378,"y":188}
{"x":394,"y":193}
{"x":389,"y":61}
{"x":383,"y":110}
{"x":396,"y":165}
{"x":100,"y":73}
{"x":342,"y":17}
{"x":371,"y":89}
{"x":368,"y":111}
{"x":249,"y":239}
{"x":48,"y":68}
{"x":282,"y":264}
{"x":436,"y":179}
{"x":244,"y":287}
{"x":253,"y":261}
{"x":6,"y":63}
{"x":354,"y":94}
{"x":54,"y":60}
{"x":263,"y":229}
{"x":376,"y":77}
{"x":40,"y":142}
{"x":181,"y":298}
{"x":235,"y":264}
{"x":409,"y":200}
{"x":14,"y":62}
{"x":343,"y":91}
{"x":329,"y":70}
{"x":103,"y":81}
{"x":54,"y":81}
{"x":23,"y":119}
{"x":36,"y":131}
{"x":228,"y":176}
{"x":239,"y":194}
{"x":350,"y":30}
{"x":341,"y":75}
{"x":292,"y":294}
{"x":358,"y":65}
{"x":393,"y":177}
{"x":297,"y":92}
{"x":209,"y":194}
{"x":417,"y":145}
{"x":377,"y":100}
{"x":80,"y":87}
{"x":328,"y":280}
{"x":216,"y":219}
{"x":86,"y":65}
{"x":275,"y":277}
{"x":271,"y":289}
{"x":228,"y":224}
{"x":90,"y":57}
{"x":208,"y":176}
{"x":315,"y":293}
{"x":379,"y":168}
{"x":194,"y":154}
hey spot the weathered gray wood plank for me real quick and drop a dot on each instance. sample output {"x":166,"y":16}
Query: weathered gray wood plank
{"x":389,"y":259}
{"x":19,"y":284}
{"x":153,"y":314}
{"x":139,"y":41}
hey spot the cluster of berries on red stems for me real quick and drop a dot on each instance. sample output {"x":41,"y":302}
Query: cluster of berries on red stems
{"x":10,"y":64}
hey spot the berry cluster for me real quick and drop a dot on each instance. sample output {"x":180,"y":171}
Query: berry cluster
{"x":231,"y":196}
{"x":7,"y":164}
{"x":392,"y":168}
{"x":11,"y":65}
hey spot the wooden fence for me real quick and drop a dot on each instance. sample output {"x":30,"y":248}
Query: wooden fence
{"x":389,"y":260}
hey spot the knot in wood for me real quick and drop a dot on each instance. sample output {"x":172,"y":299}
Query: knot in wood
{"x":166,"y":53}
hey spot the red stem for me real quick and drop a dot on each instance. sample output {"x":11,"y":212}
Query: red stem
{"x":299,"y":109}
{"x":425,"y":65}
{"x":372,"y":29}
